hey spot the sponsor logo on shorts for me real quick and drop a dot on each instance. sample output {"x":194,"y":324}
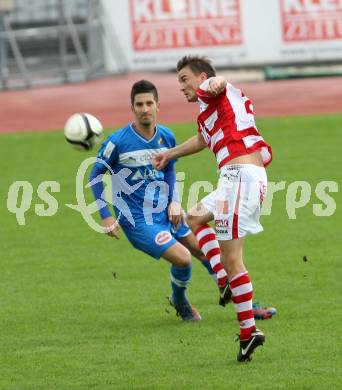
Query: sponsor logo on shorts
{"x":163,"y":237}
{"x":222,"y":226}
{"x":221,"y":223}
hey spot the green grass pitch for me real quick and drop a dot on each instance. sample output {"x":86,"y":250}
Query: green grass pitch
{"x":79,"y":310}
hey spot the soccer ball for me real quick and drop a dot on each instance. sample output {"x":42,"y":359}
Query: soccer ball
{"x":83,"y":131}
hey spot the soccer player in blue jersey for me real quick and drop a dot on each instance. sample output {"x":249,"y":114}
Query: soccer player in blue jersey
{"x":146,"y":201}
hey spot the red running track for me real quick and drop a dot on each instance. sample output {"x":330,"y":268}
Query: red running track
{"x":48,"y":108}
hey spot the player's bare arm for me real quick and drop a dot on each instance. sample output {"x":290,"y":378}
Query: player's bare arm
{"x":193,"y":145}
{"x":217,"y":85}
{"x":111,"y":227}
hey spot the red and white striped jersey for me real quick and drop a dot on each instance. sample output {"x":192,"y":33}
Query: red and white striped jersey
{"x":227,"y":124}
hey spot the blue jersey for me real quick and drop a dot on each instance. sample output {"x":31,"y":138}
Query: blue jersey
{"x":140,"y":192}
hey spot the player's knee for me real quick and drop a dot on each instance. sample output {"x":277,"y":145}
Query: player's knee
{"x":178,"y":255}
{"x":192,"y":221}
{"x":183,"y":257}
{"x":198,"y":216}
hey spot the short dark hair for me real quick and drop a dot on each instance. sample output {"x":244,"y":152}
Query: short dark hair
{"x":197,"y":64}
{"x":143,"y":86}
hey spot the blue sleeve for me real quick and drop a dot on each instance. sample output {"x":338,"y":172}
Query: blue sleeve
{"x":170,"y":179}
{"x":107,"y":154}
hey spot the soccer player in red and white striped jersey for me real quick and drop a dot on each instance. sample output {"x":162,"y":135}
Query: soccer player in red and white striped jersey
{"x":226,"y":125}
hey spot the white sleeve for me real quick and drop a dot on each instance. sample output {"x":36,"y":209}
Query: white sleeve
{"x":205,"y":85}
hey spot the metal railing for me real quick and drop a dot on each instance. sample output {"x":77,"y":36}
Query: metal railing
{"x":54,"y":41}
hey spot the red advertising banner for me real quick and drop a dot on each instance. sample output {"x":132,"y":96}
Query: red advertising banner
{"x":175,"y":24}
{"x":310,"y":20}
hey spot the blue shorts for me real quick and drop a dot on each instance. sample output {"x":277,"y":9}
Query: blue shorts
{"x":154,"y":239}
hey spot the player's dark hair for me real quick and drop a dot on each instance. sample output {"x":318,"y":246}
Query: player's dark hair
{"x":197,"y":64}
{"x":143,"y":86}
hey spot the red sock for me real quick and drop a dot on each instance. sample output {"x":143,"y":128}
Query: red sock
{"x":208,"y":244}
{"x":242,"y":295}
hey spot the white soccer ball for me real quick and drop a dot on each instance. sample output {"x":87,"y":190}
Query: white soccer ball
{"x":83,"y":131}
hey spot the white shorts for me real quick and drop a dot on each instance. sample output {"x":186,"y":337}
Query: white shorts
{"x":237,"y":200}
